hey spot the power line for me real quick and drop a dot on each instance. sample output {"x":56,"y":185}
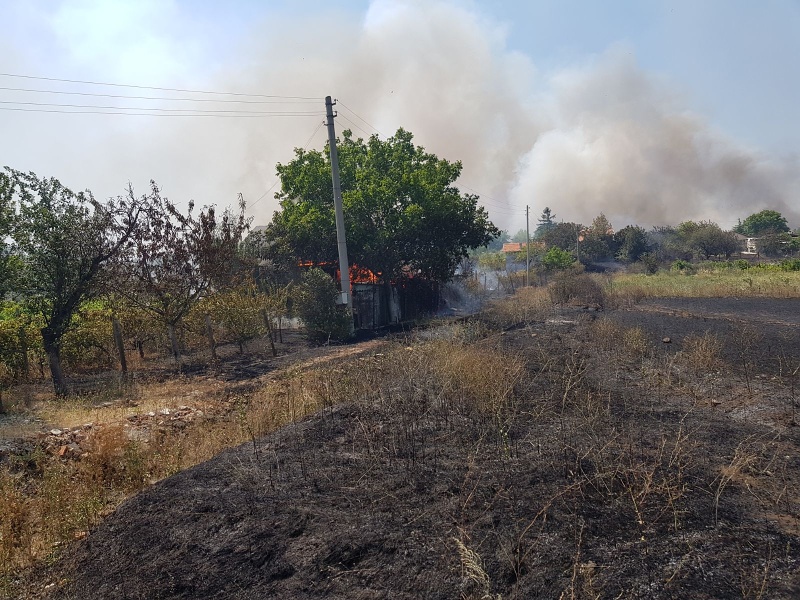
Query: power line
{"x":343,"y":105}
{"x":162,"y":89}
{"x":175,"y":110}
{"x":311,"y":137}
{"x":361,"y":129}
{"x":155,"y":114}
{"x":128,"y":97}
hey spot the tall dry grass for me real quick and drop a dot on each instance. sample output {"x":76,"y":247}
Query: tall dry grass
{"x":627,"y":288}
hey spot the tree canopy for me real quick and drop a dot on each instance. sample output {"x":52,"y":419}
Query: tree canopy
{"x":63,"y":241}
{"x":761,"y":223}
{"x":402,"y":211}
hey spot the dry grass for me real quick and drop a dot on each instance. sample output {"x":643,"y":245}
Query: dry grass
{"x":527,"y":305}
{"x":702,"y":352}
{"x":47,"y":501}
{"x":627,"y":288}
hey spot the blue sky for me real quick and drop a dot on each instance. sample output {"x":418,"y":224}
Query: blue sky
{"x":651,"y":112}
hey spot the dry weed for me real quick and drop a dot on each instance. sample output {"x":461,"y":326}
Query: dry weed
{"x":702,"y":352}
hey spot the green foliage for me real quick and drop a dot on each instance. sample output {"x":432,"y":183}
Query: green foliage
{"x":89,"y":343}
{"x":65,"y":241}
{"x":401,"y":209}
{"x":493,"y":261}
{"x":650,"y":262}
{"x":706,"y":239}
{"x":556,"y":259}
{"x":682,"y":266}
{"x":238,"y":310}
{"x":778,"y":244}
{"x":316,"y":306}
{"x":631,"y":243}
{"x":562,"y":235}
{"x":545,"y":223}
{"x":761,"y":223}
{"x":790,"y":264}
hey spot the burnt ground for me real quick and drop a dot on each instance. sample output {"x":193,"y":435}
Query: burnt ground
{"x":615,"y":469}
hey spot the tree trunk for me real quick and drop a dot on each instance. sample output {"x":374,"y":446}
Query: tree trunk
{"x":56,"y":374}
{"x":23,"y":354}
{"x":140,"y":347}
{"x":117,"y":329}
{"x":2,"y":407}
{"x":173,"y":341}
{"x":212,"y":344}
{"x":268,"y":324}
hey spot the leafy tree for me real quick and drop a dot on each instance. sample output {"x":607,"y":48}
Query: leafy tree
{"x":239,"y":311}
{"x":778,"y":244}
{"x":631,"y":243}
{"x":556,"y":259}
{"x":402,"y":212}
{"x":562,"y":235}
{"x":706,"y":239}
{"x":317,"y":308}
{"x":9,"y":262}
{"x":546,"y":223}
{"x":761,"y":223}
{"x":520,"y":237}
{"x":174,"y":258}
{"x":65,"y":241}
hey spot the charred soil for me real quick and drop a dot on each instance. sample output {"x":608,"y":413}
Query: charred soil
{"x":647,"y":453}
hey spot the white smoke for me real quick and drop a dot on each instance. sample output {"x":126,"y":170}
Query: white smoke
{"x":601,"y":136}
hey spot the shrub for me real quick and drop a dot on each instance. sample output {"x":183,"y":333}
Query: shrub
{"x":557,"y":259}
{"x":317,"y":308}
{"x":682,"y":266}
{"x":570,"y":288}
{"x":650,"y":262}
{"x":790,"y":264}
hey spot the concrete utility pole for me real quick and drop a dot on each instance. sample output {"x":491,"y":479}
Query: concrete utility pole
{"x":344,"y":268}
{"x":527,"y":245}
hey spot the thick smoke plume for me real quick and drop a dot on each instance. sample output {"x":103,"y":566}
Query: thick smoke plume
{"x":604,"y":136}
{"x":601,"y":136}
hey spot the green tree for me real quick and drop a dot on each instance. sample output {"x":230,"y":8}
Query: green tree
{"x":316,"y":306}
{"x":761,"y":223}
{"x":402,"y":211}
{"x":65,"y":241}
{"x":546,"y":223}
{"x":556,"y":259}
{"x":631,"y":243}
{"x":706,"y":239}
{"x":562,"y":235}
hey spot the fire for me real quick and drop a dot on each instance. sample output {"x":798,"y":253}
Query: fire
{"x":358,"y":274}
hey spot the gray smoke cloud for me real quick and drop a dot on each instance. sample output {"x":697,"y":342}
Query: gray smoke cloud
{"x":601,"y":136}
{"x":604,"y":136}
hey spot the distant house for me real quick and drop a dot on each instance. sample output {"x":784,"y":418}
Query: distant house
{"x":520,"y":246}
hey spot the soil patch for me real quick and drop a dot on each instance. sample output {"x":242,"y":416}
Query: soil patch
{"x":607,"y":473}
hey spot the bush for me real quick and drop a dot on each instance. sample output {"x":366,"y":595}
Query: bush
{"x":317,"y":308}
{"x":570,"y":288}
{"x":557,"y":259}
{"x":650,"y":262}
{"x":682,"y":266}
{"x":790,"y":264}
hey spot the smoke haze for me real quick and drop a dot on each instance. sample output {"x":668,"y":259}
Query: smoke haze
{"x":603,"y":135}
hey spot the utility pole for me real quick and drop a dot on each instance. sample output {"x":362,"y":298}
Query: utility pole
{"x":344,"y":268}
{"x":527,"y":245}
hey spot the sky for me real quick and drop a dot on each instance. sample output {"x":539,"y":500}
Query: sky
{"x":650,"y":112}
